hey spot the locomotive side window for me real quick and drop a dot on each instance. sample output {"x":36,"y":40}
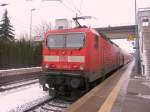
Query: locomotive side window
{"x":75,"y":40}
{"x":96,"y":41}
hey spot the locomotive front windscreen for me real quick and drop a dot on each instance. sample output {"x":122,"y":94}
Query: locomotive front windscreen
{"x":70,"y":40}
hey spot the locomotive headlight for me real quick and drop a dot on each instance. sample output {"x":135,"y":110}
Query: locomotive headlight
{"x":45,"y":67}
{"x":81,"y":67}
{"x":53,"y":66}
{"x":75,"y":66}
{"x":46,"y":85}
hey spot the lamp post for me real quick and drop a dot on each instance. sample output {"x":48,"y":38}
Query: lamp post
{"x":31,"y":22}
{"x":138,"y":63}
{"x":53,"y":0}
{"x":3,"y":4}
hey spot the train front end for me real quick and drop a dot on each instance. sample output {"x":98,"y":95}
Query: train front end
{"x":64,"y":61}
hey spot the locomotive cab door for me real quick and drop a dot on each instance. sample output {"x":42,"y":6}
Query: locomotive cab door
{"x":101,"y":51}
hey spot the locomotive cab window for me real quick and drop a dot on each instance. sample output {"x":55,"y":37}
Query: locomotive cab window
{"x":75,"y":40}
{"x":70,"y":40}
{"x":96,"y":41}
{"x":55,"y":41}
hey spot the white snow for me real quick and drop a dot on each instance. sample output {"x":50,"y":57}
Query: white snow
{"x":144,"y":96}
{"x":146,"y":84}
{"x":12,"y":101}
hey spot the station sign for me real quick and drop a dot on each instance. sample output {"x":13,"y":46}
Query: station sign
{"x":131,"y":37}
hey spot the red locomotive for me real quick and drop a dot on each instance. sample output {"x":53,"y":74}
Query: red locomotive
{"x":74,"y":58}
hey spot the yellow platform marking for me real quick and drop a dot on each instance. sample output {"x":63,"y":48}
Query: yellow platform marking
{"x":107,"y":106}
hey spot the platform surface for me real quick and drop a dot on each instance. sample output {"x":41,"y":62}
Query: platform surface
{"x":103,"y":97}
{"x":135,"y":97}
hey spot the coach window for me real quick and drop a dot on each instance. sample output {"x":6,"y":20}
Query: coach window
{"x":145,"y":22}
{"x":96,"y":41}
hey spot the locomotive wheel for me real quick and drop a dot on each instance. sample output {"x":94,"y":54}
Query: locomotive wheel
{"x":87,"y":86}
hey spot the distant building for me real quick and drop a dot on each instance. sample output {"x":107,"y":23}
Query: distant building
{"x":63,"y":24}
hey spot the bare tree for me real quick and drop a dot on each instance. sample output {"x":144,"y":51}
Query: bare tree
{"x":40,"y":29}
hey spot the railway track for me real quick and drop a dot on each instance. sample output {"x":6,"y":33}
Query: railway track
{"x":18,"y":84}
{"x":16,"y":81}
{"x":50,"y":105}
{"x":12,"y":76}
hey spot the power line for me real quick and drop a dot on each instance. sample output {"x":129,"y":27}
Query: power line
{"x":75,"y":10}
{"x":69,"y":8}
{"x":72,"y":3}
{"x":81,"y":5}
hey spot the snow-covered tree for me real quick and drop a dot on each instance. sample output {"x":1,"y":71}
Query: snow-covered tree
{"x":6,"y":29}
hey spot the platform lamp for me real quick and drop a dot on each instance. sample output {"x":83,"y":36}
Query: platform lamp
{"x":31,"y":22}
{"x":138,"y":63}
{"x":3,"y":4}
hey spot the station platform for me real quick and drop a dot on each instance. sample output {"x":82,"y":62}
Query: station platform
{"x":124,"y":91}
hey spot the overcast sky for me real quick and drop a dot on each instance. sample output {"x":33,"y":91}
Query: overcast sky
{"x":107,"y":12}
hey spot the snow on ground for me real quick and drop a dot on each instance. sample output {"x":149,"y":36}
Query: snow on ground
{"x":15,"y":100}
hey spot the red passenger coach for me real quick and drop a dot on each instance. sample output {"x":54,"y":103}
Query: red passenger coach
{"x":74,"y":58}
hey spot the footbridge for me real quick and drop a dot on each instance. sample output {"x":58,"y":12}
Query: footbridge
{"x":118,"y":32}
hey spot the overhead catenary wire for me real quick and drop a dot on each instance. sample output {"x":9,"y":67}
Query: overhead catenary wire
{"x":75,"y":9}
{"x":80,"y":9}
{"x":71,"y":2}
{"x":68,"y":7}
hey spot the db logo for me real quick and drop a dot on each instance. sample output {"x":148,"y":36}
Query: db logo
{"x":63,"y":58}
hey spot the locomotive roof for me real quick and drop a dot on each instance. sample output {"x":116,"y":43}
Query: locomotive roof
{"x":85,"y":29}
{"x":105,"y":37}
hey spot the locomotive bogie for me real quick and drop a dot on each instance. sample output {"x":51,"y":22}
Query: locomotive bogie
{"x":63,"y":82}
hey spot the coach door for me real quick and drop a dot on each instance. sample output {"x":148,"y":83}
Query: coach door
{"x":101,"y":56}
